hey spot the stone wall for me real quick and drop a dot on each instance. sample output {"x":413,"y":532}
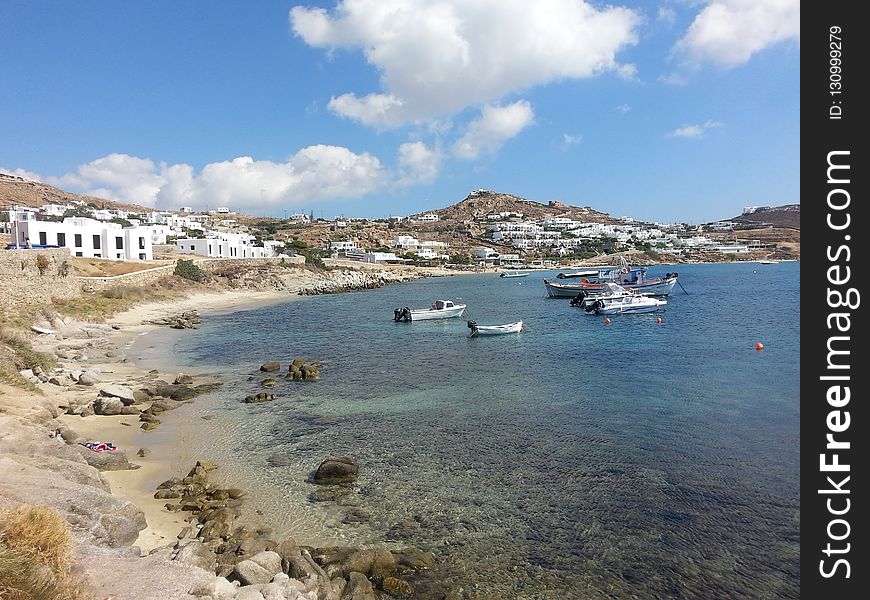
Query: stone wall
{"x":22,"y":283}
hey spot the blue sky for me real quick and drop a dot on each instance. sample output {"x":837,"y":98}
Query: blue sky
{"x":681,"y":110}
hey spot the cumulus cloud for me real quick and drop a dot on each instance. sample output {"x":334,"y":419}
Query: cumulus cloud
{"x":694,"y":132}
{"x":496,"y":124}
{"x":727,"y":33}
{"x":312,"y":174}
{"x":438,"y":57}
{"x":623,"y":108}
{"x":417,"y":164}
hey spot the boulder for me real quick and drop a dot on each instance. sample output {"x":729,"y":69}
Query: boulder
{"x":336,"y":469}
{"x":411,"y":559}
{"x":199,"y":555}
{"x":89,"y":377}
{"x":183,"y":379}
{"x":122,"y":392}
{"x":358,"y":588}
{"x":271,"y":561}
{"x":397,"y":588}
{"x":107,"y":461}
{"x":270,"y":366}
{"x":247,"y":572}
{"x":270,"y":383}
{"x":249,"y":593}
{"x":259,"y":397}
{"x":105,"y":405}
{"x":130,"y":410}
{"x":218,"y":588}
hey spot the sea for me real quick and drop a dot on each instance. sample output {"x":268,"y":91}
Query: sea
{"x":577,"y":459}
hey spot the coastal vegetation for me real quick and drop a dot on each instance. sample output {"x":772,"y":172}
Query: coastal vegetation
{"x":36,"y":554}
{"x":16,"y":354}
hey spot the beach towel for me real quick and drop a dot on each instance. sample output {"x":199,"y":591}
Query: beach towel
{"x":99,"y":446}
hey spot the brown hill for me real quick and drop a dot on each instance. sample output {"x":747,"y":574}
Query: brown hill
{"x":786,"y":216}
{"x":23,"y":192}
{"x":480,"y":203}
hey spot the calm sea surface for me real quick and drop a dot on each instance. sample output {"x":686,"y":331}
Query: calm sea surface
{"x":574,"y":460}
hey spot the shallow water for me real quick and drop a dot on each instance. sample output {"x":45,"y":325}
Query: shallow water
{"x":574,"y":460}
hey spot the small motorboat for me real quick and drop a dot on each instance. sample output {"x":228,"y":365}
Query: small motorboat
{"x":440,"y":309}
{"x":618,"y":301}
{"x":515,"y":274}
{"x":494,"y":329}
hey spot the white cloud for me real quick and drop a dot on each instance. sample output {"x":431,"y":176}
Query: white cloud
{"x":569,"y":140}
{"x":313,"y":174}
{"x":666,"y":15}
{"x":692,"y":131}
{"x":496,"y":124}
{"x":438,"y":57}
{"x":417,"y":164}
{"x":727,"y":33}
{"x":623,"y":108}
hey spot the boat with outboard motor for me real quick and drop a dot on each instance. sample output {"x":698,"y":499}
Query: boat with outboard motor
{"x":476,"y":329}
{"x":440,"y":309}
{"x":632,"y":278}
{"x":617,"y":301}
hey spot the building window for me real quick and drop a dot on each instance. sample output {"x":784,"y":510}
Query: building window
{"x":43,"y":239}
{"x":119,"y":243}
{"x":142,"y":256}
{"x":78,"y":253}
{"x":78,"y":241}
{"x":96,"y":243}
{"x":141,"y":243}
{"x":61,"y":239}
{"x":192,"y":247}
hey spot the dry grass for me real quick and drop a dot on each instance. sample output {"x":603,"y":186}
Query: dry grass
{"x":104,"y":267}
{"x":35,"y":557}
{"x":101,"y":305}
{"x":16,"y":354}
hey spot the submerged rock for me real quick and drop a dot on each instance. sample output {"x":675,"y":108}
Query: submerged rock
{"x":270,"y":366}
{"x":335,"y":470}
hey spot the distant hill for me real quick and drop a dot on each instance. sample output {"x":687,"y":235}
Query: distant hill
{"x":480,"y":203}
{"x":23,"y":192}
{"x":787,"y":216}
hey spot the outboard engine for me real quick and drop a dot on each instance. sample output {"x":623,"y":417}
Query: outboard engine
{"x":471,"y":324}
{"x":579,"y":298}
{"x":594,"y":306}
{"x":397,"y":314}
{"x":403,"y":314}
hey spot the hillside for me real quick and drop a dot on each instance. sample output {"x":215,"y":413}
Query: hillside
{"x":480,"y":203}
{"x":23,"y":192}
{"x":787,"y":216}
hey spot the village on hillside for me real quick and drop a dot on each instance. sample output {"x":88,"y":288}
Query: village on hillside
{"x":486,"y":228}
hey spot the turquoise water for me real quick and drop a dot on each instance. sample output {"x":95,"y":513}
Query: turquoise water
{"x":574,"y":460}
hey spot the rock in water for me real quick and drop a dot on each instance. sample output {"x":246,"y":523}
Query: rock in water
{"x":270,"y":366}
{"x":336,"y":469}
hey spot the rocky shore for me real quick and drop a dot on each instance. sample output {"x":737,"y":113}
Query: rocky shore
{"x":69,"y":446}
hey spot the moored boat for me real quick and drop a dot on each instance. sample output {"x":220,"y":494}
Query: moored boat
{"x":654,"y":286}
{"x":476,"y":329}
{"x":514,"y":274}
{"x":440,"y":309}
{"x":618,"y":301}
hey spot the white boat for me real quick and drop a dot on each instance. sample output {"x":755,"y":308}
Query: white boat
{"x":618,"y":301}
{"x":768,"y":262}
{"x":517,"y":274}
{"x":494,"y":329}
{"x":577,"y":274}
{"x":632,"y":278}
{"x":440,"y":309}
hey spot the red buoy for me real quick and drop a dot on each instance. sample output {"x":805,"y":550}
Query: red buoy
{"x":658,"y":319}
{"x":607,"y":321}
{"x":759,"y":346}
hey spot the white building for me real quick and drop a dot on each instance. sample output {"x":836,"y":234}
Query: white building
{"x":186,"y":209}
{"x":219,"y":244}
{"x":86,"y":237}
{"x":406,"y":242}
{"x":382,"y":257}
{"x":427,"y":218}
{"x":343,"y":246}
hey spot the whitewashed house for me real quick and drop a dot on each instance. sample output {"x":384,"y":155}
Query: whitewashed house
{"x":226,"y":245}
{"x":343,"y":246}
{"x":87,"y":237}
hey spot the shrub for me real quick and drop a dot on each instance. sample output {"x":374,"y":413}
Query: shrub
{"x":42,"y":263}
{"x":63,"y":269}
{"x":35,"y":557}
{"x":187,"y":270}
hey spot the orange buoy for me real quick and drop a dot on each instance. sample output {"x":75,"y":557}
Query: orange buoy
{"x":607,"y":321}
{"x":759,"y":346}
{"x":658,"y":319}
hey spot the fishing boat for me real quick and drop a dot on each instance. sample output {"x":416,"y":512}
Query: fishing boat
{"x":514,"y":274}
{"x":440,"y":309}
{"x":476,"y":329}
{"x":648,"y":286}
{"x":618,"y":301}
{"x":577,"y":274}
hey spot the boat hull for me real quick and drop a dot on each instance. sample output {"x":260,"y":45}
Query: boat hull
{"x":484,"y":330}
{"x":659,"y":287}
{"x":444,"y":313}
